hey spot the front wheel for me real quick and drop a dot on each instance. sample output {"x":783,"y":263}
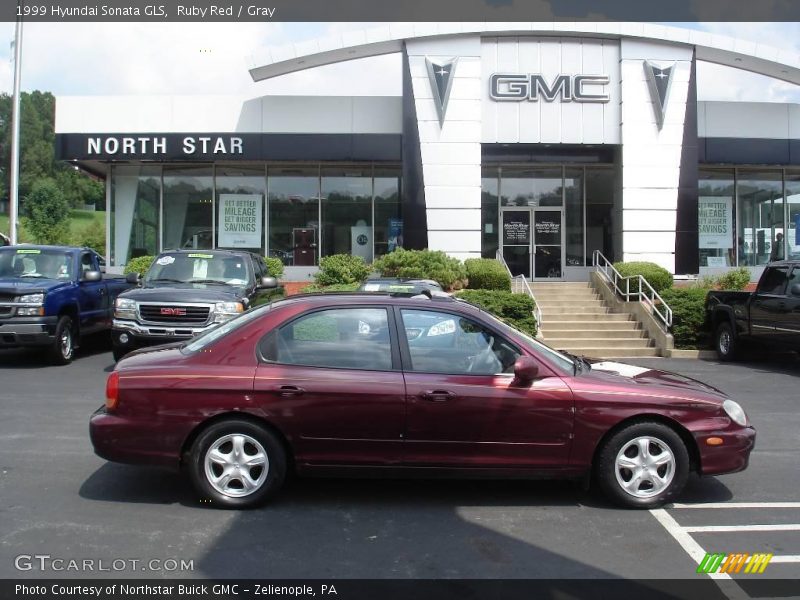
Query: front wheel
{"x":62,"y":348}
{"x":725,"y":342}
{"x":643,"y":466}
{"x":237,"y":464}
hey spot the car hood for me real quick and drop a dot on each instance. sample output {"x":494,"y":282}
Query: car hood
{"x":195,"y":293}
{"x":17,"y":286}
{"x":611,"y":372}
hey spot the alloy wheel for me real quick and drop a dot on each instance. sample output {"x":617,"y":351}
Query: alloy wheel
{"x":236,"y":465}
{"x":645,"y":466}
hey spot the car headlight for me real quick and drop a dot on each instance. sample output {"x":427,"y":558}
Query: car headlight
{"x":31,"y":299}
{"x":125,"y":308}
{"x":735,"y":412}
{"x":226,"y":310}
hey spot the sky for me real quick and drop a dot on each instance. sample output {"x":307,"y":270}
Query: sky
{"x":78,"y":59}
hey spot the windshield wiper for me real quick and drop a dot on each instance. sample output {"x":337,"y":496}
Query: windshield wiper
{"x":577,"y":361}
{"x":37,"y":275}
{"x":207,"y":281}
{"x":167,"y":279}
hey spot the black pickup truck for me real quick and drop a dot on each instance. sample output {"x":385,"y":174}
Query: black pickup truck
{"x":185,"y":292}
{"x":768,"y":317}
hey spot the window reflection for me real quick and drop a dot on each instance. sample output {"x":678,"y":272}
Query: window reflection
{"x":188,"y":207}
{"x":347,"y":212}
{"x":760,"y":217}
{"x":294,"y":215}
{"x":135,"y":202}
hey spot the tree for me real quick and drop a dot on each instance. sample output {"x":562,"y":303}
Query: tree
{"x":47,"y":213}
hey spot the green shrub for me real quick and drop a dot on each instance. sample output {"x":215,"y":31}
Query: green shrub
{"x":274,"y":266}
{"x":91,"y":236}
{"x":47,"y":213}
{"x":514,"y":309}
{"x":336,"y":287}
{"x":688,"y":316}
{"x":138,"y":265}
{"x":486,"y":274}
{"x":449,"y":272}
{"x":341,"y":268}
{"x":657,"y":276}
{"x":737,"y":279}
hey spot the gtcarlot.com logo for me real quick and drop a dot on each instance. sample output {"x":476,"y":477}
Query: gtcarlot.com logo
{"x":46,"y":562}
{"x":737,"y":562}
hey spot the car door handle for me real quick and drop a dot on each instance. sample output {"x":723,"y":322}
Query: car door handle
{"x":289,"y":390}
{"x":437,"y":395}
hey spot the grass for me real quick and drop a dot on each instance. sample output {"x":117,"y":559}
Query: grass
{"x":78,"y":219}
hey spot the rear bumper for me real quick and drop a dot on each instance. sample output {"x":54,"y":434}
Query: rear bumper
{"x":732,"y":456}
{"x":27,"y":332}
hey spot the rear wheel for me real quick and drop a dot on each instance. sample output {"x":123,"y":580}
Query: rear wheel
{"x":237,"y":464}
{"x":725,"y":342}
{"x":62,"y":348}
{"x":643,"y":466}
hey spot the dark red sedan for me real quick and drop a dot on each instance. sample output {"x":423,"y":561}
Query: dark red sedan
{"x":379,"y":382}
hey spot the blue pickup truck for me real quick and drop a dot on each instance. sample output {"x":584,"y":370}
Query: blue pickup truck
{"x":52,"y":296}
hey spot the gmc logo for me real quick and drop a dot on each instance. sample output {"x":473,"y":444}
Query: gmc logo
{"x":570,"y":88}
{"x":174,"y":312}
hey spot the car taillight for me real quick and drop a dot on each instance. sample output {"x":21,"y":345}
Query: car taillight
{"x":112,"y":391}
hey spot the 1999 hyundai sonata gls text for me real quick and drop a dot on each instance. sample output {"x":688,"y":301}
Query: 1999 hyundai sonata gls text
{"x":319,"y":383}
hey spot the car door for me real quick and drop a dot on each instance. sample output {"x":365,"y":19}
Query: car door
{"x":93,"y":296}
{"x":332,"y":378}
{"x":788,"y":329}
{"x":769,"y":303}
{"x":465,"y":409}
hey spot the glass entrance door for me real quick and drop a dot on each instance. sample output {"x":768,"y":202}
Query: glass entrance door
{"x":515,"y":239}
{"x":547,"y":244}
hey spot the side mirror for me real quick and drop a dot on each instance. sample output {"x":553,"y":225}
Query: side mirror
{"x":795,"y":290}
{"x":526,"y":369}
{"x":92,"y":276}
{"x":132,"y":278}
{"x":267,"y":283}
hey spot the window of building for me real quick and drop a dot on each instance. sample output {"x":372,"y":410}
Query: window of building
{"x":340,"y":338}
{"x":573,"y":201}
{"x":441,"y":342}
{"x":135,"y":208}
{"x":792,"y":236}
{"x":490,"y":193}
{"x":347,"y":211}
{"x":388,"y":210}
{"x":531,"y":186}
{"x":600,"y":215}
{"x":759,"y":216}
{"x":716,"y":219}
{"x":240,"y":192}
{"x":188,"y":207}
{"x":294,"y":215}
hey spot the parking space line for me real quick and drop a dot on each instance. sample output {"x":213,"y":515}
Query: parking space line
{"x":729,"y":528}
{"x":739,"y":505}
{"x":788,"y":558}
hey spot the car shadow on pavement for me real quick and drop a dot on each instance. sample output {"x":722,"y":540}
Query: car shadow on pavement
{"x":787,"y":363}
{"x":36,"y":358}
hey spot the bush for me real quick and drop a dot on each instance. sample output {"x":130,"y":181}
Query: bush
{"x":657,"y":276}
{"x":138,"y":265}
{"x":448,"y":272}
{"x":91,"y":236}
{"x":274,"y":266}
{"x":486,"y":274}
{"x":688,"y":316}
{"x":336,"y":287}
{"x":48,"y":213}
{"x":514,"y":309}
{"x":736,"y":279}
{"x":341,"y":268}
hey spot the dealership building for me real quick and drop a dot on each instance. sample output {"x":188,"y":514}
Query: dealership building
{"x":543,"y":141}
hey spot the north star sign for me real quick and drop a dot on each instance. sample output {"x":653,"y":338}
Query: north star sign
{"x":136,"y":145}
{"x":516,"y":87}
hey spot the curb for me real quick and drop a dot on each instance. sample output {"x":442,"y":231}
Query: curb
{"x":696,"y":354}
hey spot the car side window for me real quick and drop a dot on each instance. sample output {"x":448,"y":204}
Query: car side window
{"x":774,"y":281}
{"x":794,"y":280}
{"x":441,"y":342}
{"x":338,"y":338}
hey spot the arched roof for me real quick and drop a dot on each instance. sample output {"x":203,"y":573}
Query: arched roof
{"x":740,"y":54}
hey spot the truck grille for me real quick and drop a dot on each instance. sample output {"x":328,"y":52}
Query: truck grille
{"x":158,"y":313}
{"x":7,"y":297}
{"x":6,"y":310}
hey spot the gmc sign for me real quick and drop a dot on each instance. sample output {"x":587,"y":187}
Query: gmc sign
{"x":173,"y":311}
{"x":516,"y":87}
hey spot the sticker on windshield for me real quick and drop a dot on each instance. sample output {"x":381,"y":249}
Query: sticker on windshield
{"x":201,"y":256}
{"x":166,"y":260}
{"x":29,"y":251}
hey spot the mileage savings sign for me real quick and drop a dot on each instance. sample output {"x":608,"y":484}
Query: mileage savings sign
{"x":240,"y":221}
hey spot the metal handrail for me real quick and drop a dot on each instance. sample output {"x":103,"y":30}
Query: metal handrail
{"x":520,"y":285}
{"x":642,"y":290}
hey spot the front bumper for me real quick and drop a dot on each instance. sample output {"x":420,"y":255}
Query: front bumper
{"x":148,"y":335}
{"x":732,"y":456}
{"x":37,"y":331}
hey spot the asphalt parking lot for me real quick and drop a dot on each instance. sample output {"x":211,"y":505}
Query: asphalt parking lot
{"x":57,"y":498}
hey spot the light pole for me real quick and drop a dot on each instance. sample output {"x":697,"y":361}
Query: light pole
{"x":13,"y":208}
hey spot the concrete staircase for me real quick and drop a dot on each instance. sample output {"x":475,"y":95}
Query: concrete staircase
{"x":576,"y":319}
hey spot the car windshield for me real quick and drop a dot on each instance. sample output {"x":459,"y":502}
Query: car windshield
{"x":35,"y":263}
{"x":210,"y":336}
{"x":198,"y":267}
{"x":560,"y":360}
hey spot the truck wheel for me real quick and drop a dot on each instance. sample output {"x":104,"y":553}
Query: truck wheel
{"x":63,"y":347}
{"x":725,"y":342}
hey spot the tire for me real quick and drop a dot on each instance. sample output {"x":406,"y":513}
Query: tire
{"x":222,"y":439}
{"x":660,"y":483}
{"x":62,"y":349}
{"x":725,"y":342}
